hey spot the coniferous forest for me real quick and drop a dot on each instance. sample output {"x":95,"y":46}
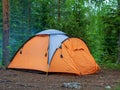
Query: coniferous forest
{"x":97,"y":22}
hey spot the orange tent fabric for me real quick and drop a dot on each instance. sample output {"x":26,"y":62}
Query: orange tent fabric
{"x":76,"y":58}
{"x":32,"y":55}
{"x":73,"y":56}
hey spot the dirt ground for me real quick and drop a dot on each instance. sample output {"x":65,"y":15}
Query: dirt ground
{"x":23,"y":80}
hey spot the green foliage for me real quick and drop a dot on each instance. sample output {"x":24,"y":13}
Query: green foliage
{"x":42,"y":11}
{"x":0,"y":63}
{"x":95,"y":21}
{"x":74,"y":22}
{"x":112,"y":27}
{"x":110,"y":65}
{"x":94,"y":32}
{"x":117,"y":87}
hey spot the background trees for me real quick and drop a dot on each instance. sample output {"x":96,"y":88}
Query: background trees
{"x":111,"y":20}
{"x":95,"y":21}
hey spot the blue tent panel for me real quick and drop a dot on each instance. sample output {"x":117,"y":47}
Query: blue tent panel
{"x":56,"y":38}
{"x":55,"y":42}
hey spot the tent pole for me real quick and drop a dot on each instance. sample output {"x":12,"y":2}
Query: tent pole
{"x":47,"y":70}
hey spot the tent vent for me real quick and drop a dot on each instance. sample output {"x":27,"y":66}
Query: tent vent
{"x":20,"y":52}
{"x":61,"y":56}
{"x":45,"y":54}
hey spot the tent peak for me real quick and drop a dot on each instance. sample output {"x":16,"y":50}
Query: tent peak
{"x":50,"y":31}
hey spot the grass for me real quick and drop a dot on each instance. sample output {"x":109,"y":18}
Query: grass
{"x":117,"y":87}
{"x":111,"y":66}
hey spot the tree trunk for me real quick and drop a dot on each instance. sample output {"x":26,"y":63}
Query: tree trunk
{"x":5,"y":49}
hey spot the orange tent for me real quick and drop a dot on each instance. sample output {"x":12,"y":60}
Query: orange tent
{"x":53,"y":51}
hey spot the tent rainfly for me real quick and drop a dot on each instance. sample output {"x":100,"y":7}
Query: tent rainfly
{"x":53,"y":51}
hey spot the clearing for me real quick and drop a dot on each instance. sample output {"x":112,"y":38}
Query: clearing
{"x":23,"y":80}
